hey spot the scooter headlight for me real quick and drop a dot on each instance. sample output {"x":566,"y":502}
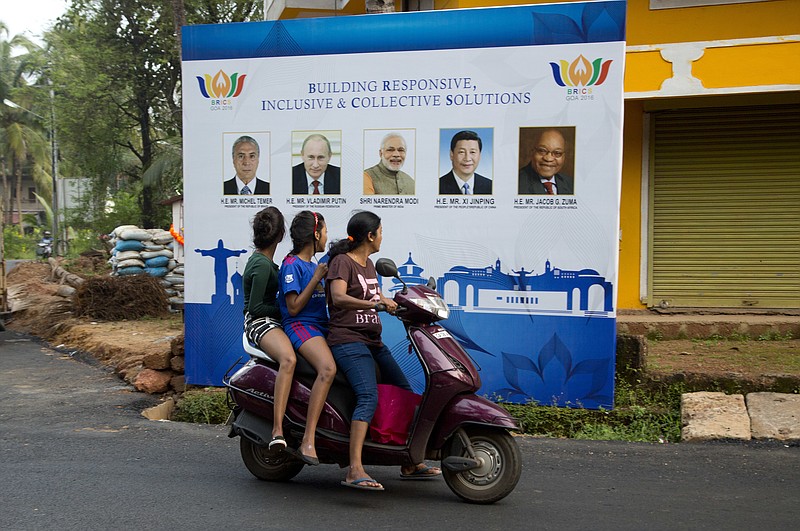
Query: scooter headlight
{"x":434,"y":305}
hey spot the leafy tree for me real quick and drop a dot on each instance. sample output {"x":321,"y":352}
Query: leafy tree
{"x":116,"y":66}
{"x":116,"y":79}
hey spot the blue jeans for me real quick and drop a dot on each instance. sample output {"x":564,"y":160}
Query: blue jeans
{"x":357,"y":361}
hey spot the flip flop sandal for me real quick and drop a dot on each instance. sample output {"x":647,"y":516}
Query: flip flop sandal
{"x":277,"y":443}
{"x":421,"y":473}
{"x":359,"y":484}
{"x":300,"y":456}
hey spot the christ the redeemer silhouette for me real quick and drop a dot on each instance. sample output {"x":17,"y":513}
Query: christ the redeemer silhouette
{"x":220,"y":255}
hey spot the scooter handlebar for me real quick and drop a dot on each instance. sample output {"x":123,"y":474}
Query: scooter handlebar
{"x":381,"y":307}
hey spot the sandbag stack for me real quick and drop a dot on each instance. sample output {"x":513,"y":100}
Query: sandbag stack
{"x":140,"y":251}
{"x":173,"y":283}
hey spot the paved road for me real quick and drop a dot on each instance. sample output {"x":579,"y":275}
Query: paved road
{"x":76,"y":454}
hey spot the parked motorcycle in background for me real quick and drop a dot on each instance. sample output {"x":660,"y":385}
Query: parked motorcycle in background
{"x":44,"y":249}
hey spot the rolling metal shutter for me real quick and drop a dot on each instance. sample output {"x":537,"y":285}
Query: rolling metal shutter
{"x":725,"y":208}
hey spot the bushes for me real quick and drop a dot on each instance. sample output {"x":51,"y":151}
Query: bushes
{"x":17,"y":246}
{"x":205,"y":406}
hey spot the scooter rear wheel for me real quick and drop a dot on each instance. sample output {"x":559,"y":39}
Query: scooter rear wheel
{"x":499,"y":472}
{"x":267,"y":465}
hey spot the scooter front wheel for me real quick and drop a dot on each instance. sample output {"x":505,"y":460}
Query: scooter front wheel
{"x":268,"y":465}
{"x":499,"y":472}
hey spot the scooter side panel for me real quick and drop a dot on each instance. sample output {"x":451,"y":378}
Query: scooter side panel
{"x":470,"y":410}
{"x":253,"y":388}
{"x":445,"y":381}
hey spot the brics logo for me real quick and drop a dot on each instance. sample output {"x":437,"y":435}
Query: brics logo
{"x":580,"y":74}
{"x":221,"y":88}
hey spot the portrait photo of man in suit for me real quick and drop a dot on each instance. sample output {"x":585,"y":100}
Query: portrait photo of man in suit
{"x":315,"y":174}
{"x":466,"y":148}
{"x":549,"y":167}
{"x":246,"y":157}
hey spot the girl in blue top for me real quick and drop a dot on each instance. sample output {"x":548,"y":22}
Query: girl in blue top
{"x":305,"y":314}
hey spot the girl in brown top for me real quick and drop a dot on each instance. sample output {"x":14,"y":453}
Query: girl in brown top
{"x":354,"y":296}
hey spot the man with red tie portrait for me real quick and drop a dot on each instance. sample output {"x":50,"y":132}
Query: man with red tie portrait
{"x":315,"y":175}
{"x":542,"y":175}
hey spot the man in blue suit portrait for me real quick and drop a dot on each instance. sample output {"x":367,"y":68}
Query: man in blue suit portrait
{"x":246,"y":155}
{"x":465,"y":154}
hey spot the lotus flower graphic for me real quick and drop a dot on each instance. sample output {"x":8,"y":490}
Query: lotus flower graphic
{"x":580,"y":72}
{"x":556,"y":370}
{"x":221,"y":85}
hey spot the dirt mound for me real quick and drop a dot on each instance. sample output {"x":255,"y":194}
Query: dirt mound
{"x":118,"y":298}
{"x":732,"y":365}
{"x":89,"y":264}
{"x":122,"y":343}
{"x":153,"y":345}
{"x":30,"y":278}
{"x":36,"y":306}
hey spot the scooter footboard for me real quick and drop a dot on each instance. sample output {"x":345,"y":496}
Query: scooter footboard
{"x":470,"y":410}
{"x":252,"y":427}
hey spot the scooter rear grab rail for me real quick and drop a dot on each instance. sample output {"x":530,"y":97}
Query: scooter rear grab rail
{"x":253,"y":350}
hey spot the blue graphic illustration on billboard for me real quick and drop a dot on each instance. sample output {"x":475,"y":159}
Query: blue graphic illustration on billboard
{"x":548,"y":358}
{"x":523,"y":357}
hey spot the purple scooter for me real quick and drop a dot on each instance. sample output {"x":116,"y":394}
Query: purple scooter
{"x":481,"y":461}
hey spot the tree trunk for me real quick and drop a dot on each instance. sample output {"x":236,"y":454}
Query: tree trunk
{"x":148,"y":209}
{"x":18,"y":187}
{"x":179,"y":21}
{"x":6,"y":199}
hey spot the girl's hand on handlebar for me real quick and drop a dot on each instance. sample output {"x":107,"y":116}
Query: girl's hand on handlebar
{"x":391,"y":306}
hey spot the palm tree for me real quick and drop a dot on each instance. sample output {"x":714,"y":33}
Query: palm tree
{"x":23,"y":144}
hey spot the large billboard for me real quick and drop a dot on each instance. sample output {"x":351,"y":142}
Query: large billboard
{"x":489,"y":141}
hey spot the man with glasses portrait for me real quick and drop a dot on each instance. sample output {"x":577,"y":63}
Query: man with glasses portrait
{"x":541,"y":176}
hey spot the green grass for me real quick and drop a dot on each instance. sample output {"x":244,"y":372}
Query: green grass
{"x":775,"y":336}
{"x":641,"y":413}
{"x":655,"y":335}
{"x":739,"y":336}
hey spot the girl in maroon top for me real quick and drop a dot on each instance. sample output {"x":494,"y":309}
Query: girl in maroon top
{"x":354,"y":296}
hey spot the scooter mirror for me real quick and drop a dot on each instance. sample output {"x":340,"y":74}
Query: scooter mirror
{"x":431,"y":283}
{"x":386,"y":267}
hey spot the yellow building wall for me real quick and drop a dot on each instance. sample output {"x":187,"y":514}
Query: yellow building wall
{"x":750,"y":65}
{"x":628,"y":296}
{"x":645,"y":71}
{"x":711,"y":23}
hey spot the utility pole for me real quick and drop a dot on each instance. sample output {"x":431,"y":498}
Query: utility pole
{"x":54,"y":165}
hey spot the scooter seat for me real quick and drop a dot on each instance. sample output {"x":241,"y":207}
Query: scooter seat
{"x":340,"y":396}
